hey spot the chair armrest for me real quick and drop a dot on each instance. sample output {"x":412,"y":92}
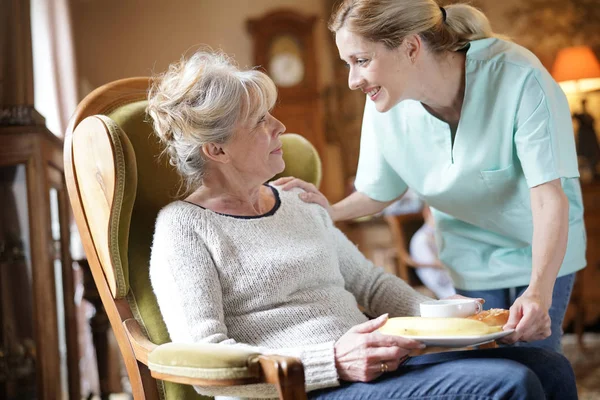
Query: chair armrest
{"x":140,"y":344}
{"x":286,"y":373}
{"x":210,"y":364}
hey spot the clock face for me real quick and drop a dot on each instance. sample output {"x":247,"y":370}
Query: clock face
{"x":286,"y":66}
{"x":286,"y":69}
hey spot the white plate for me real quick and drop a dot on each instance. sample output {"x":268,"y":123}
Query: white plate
{"x":459,"y":341}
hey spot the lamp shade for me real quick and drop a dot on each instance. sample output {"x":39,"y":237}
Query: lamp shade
{"x":574,"y":63}
{"x":577,"y":64}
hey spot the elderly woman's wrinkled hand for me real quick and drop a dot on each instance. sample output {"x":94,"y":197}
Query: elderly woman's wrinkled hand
{"x":529,"y":318}
{"x":364,"y":354}
{"x":311,"y":193}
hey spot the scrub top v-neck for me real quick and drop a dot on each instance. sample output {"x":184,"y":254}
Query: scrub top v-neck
{"x":515,"y":132}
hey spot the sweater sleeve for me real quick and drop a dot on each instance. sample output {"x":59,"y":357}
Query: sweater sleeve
{"x":185,"y":280}
{"x":376,"y":290}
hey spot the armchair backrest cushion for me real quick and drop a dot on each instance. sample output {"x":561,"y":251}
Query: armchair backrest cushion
{"x":301,"y":159}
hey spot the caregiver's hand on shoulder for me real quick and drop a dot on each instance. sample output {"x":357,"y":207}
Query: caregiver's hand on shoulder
{"x":364,"y":354}
{"x":311,"y":193}
{"x":529,"y":317}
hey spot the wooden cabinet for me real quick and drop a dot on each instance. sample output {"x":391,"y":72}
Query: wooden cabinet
{"x":585,"y":302}
{"x":38,"y":339}
{"x":38,"y":334}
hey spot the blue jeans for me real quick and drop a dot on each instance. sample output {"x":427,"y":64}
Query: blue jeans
{"x":504,"y":298}
{"x":502,"y":373}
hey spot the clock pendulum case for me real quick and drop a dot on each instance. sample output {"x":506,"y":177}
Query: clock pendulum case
{"x":284,"y":46}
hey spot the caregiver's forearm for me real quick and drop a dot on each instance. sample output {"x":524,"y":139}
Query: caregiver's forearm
{"x":550,"y":209}
{"x":357,"y":205}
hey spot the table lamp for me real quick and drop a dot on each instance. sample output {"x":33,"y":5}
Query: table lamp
{"x":577,"y":70}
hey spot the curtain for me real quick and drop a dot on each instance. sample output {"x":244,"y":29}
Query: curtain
{"x":54,"y":70}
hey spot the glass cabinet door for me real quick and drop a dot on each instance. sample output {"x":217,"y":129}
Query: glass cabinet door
{"x":57,"y":265}
{"x":61,"y":265}
{"x":17,"y":343}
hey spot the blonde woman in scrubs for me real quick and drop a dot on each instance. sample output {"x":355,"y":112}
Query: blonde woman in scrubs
{"x":477,"y":127}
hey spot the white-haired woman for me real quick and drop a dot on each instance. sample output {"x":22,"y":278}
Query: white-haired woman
{"x":479,"y":129}
{"x":242,"y":263}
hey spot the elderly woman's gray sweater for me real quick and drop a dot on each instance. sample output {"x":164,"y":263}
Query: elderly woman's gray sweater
{"x":287,"y":282}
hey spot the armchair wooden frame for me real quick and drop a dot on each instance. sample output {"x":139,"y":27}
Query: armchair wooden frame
{"x":286,"y":373}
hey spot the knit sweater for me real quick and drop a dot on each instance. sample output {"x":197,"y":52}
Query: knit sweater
{"x":286,"y":282}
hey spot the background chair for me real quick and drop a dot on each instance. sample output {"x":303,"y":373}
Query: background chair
{"x":117,"y":183}
{"x":402,"y":227}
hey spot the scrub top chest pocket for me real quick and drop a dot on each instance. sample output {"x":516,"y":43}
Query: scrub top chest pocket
{"x":503,"y":184}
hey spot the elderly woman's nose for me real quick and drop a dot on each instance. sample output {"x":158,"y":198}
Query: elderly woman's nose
{"x":280,"y":127}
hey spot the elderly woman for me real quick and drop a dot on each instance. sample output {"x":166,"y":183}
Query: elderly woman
{"x":242,"y":263}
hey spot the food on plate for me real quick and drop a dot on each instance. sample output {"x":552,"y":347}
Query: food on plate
{"x":492,"y":317}
{"x":421,"y":326}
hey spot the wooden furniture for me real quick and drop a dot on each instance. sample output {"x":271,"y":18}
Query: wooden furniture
{"x":384,"y":240}
{"x":116,"y":186}
{"x":402,"y":227}
{"x":585,"y":300}
{"x":38,"y":335}
{"x":39,"y":344}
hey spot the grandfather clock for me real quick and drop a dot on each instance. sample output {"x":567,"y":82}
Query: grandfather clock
{"x":284,"y":45}
{"x":38,"y":337}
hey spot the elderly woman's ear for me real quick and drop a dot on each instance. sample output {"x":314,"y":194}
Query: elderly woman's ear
{"x":215,"y":152}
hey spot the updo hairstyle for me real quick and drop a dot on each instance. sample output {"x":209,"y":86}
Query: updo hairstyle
{"x":203,"y":100}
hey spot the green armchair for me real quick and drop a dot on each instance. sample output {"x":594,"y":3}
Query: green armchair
{"x":117,"y":182}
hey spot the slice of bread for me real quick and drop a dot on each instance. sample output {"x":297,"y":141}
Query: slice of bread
{"x":492,"y":317}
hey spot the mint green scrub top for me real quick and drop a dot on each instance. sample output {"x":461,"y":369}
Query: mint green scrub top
{"x":515,"y":132}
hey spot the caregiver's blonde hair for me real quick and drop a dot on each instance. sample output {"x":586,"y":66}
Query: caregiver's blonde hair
{"x":390,"y":21}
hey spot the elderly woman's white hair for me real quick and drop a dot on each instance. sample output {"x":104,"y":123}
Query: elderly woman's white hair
{"x":202,"y":100}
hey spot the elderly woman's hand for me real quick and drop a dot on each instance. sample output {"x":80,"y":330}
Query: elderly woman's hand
{"x":529,"y":318}
{"x":363,"y":354}
{"x":311,"y":193}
